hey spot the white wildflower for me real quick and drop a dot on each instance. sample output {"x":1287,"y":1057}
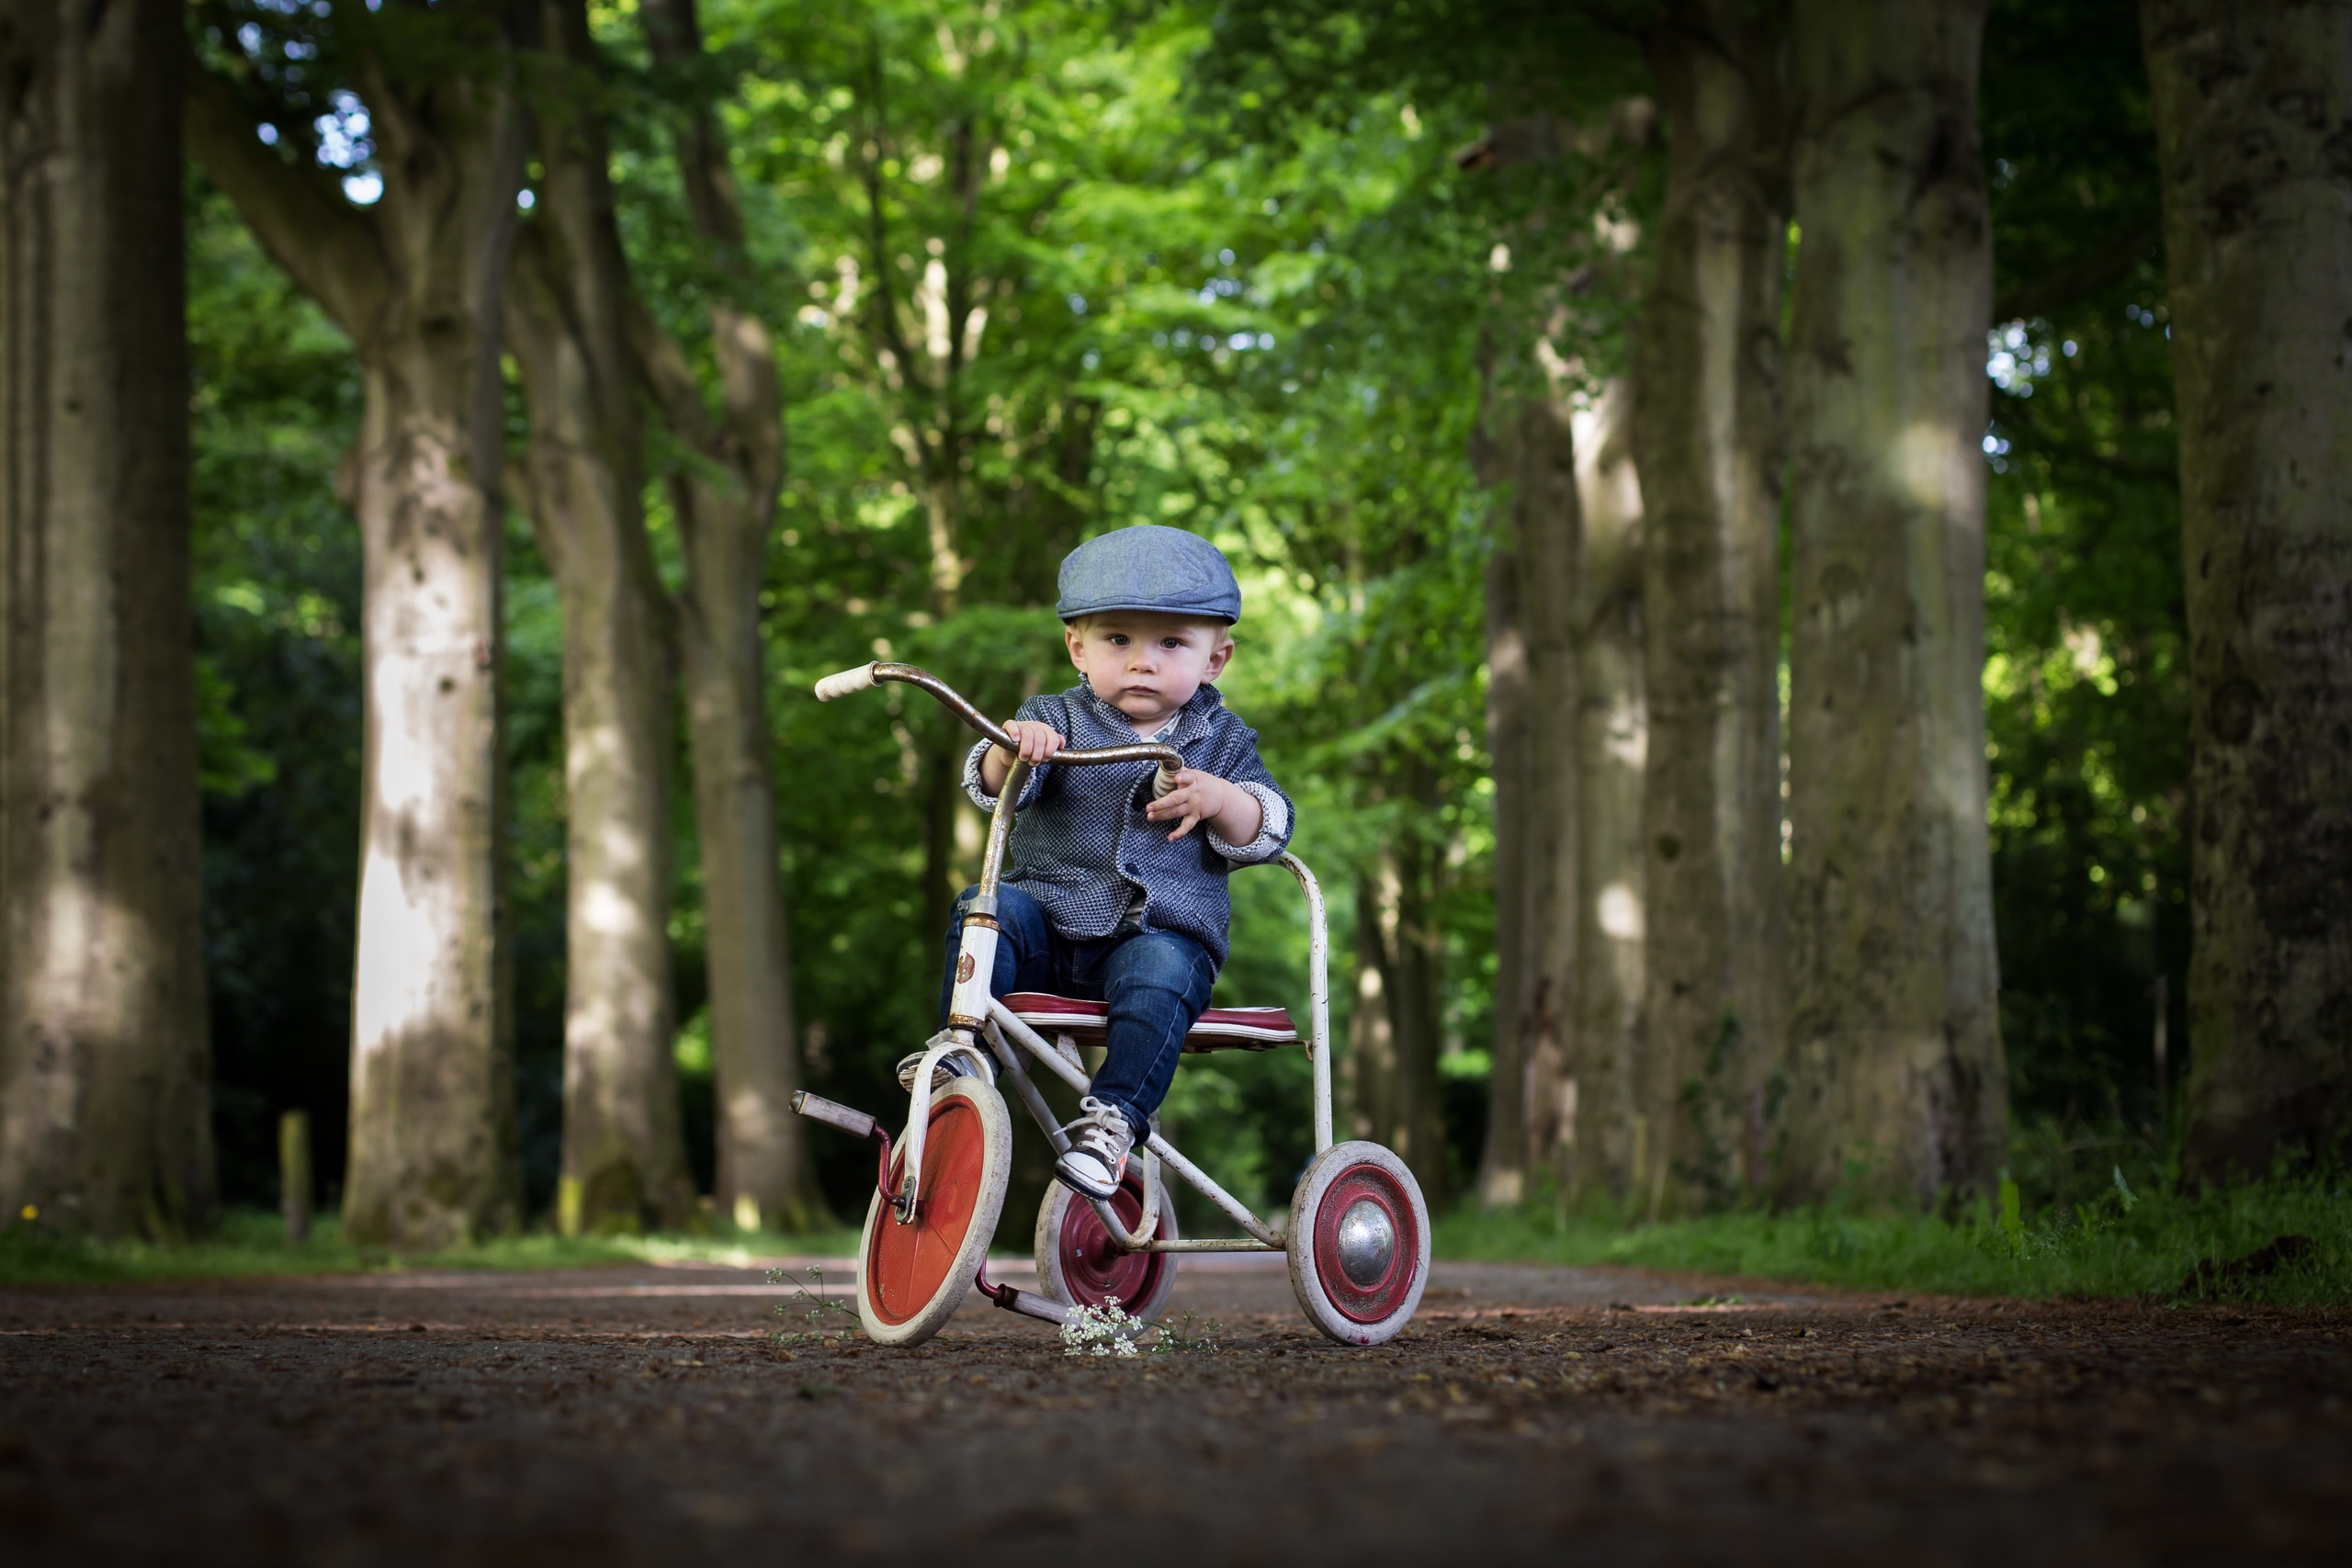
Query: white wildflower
{"x":1106,"y":1330}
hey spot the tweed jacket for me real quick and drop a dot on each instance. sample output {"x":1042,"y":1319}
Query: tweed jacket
{"x":1083,"y":847}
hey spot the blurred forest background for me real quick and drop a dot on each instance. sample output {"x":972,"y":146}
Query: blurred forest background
{"x":1034,"y":269}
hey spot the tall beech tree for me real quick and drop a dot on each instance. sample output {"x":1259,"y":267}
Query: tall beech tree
{"x":1529,"y":446}
{"x":417,"y":281}
{"x":1893,"y":1036}
{"x":725,"y":502}
{"x":2252,"y":106}
{"x":1589,"y":1101}
{"x":1708,"y":431}
{"x":583,"y":484}
{"x":104,"y":1070}
{"x":1562,"y":585}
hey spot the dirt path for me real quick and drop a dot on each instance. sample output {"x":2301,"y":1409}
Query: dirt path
{"x":1530,"y":1415}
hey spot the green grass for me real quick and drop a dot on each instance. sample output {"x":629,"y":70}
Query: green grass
{"x":2120,"y":1247}
{"x":251,"y":1242}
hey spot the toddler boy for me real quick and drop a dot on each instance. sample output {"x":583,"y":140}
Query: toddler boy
{"x":1111,"y":896}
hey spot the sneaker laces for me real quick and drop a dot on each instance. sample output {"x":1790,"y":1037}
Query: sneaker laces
{"x":1101,"y":1131}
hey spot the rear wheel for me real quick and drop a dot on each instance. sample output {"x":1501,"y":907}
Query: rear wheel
{"x":1077,"y":1263}
{"x":912,"y":1277}
{"x":1359,"y":1244}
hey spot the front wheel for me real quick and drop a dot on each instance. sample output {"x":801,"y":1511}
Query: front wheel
{"x":912,"y":1277}
{"x":1359,"y":1244}
{"x":1078,"y":1265}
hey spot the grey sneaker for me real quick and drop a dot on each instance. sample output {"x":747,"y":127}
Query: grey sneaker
{"x":1099,"y":1142}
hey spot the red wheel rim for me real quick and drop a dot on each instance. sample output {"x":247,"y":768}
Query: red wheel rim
{"x":1092,"y":1269}
{"x":905,"y":1265}
{"x":1381,"y":1295}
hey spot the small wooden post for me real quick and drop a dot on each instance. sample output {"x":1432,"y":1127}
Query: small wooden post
{"x":294,"y":1175}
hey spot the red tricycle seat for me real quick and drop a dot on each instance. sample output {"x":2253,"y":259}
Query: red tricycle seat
{"x":1219,"y":1029}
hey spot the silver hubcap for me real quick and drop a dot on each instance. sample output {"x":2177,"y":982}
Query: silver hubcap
{"x":1367,"y":1243}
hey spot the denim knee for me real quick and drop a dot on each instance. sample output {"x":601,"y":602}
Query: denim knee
{"x":1163,"y":961}
{"x":1023,"y":936}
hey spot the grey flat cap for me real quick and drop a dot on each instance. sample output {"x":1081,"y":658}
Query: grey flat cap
{"x":1165,"y":571}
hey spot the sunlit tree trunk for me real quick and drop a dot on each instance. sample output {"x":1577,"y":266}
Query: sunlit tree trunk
{"x":1608,"y":1144}
{"x":1707,"y":429}
{"x":2251,"y":105}
{"x":726,"y":508}
{"x":1894,"y":1040}
{"x":417,"y":281}
{"x":624,"y":1147}
{"x":105,"y":1067}
{"x":1531,"y":706}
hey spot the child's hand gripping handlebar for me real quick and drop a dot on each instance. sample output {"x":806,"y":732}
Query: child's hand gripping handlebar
{"x":868,"y":675}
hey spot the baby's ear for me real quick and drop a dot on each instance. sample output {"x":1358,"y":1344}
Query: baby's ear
{"x":1219,"y":656}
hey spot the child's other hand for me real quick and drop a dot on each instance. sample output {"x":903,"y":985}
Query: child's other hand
{"x":1197,"y":798}
{"x":1036,"y":740}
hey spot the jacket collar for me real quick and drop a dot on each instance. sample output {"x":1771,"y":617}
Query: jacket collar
{"x":1192,"y":719}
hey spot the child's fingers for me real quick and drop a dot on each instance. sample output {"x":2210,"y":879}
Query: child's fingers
{"x":1182,"y":829}
{"x":1177,"y":802}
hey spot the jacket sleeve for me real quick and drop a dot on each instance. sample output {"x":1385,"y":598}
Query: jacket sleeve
{"x":1042,"y":706}
{"x":1241,"y":766}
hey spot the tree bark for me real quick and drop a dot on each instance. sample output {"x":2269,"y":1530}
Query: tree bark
{"x":1532,"y":705}
{"x":1708,"y":433}
{"x":1895,"y":1039}
{"x":417,"y":281}
{"x":726,"y":508}
{"x":1502,"y":1162}
{"x":2252,"y":109}
{"x":1605,"y":1141}
{"x":624,"y":1142}
{"x":105,"y":1062}
{"x":1397,"y":1020}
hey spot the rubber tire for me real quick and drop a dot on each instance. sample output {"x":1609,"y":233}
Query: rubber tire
{"x":985,"y":1189}
{"x":1306,"y":1276}
{"x":1052,"y":1278}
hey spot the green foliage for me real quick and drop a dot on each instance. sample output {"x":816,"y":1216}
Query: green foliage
{"x":2160,"y":1244}
{"x":276,"y":403}
{"x":1046,"y":268}
{"x":2086,"y":680}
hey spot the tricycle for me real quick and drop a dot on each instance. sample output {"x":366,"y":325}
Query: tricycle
{"x":1358,"y":1233}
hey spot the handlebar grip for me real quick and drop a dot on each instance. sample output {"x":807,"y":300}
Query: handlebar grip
{"x":858,"y":680}
{"x":1164,"y":781}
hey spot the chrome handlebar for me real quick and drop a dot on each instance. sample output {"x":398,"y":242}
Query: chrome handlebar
{"x":869,"y":675}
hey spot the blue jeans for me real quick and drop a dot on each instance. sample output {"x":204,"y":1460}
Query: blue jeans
{"x":1156,"y":982}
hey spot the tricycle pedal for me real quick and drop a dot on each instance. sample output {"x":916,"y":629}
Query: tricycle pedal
{"x":832,"y":1113}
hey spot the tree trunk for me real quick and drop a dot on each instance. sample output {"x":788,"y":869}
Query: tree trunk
{"x":104,"y":1064}
{"x":1707,"y":429}
{"x":725,"y":509}
{"x":624,"y":1142}
{"x":1893,"y":1036}
{"x":2251,"y":106}
{"x":417,"y":281}
{"x":1394,"y":1033}
{"x":1610,"y":1143}
{"x":1502,"y":1163}
{"x":1531,"y":706}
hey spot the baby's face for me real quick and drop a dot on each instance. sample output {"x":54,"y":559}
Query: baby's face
{"x":1147,"y":666}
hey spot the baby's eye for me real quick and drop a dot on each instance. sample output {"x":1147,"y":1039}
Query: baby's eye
{"x":1172,"y":643}
{"x":1118,"y":639}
